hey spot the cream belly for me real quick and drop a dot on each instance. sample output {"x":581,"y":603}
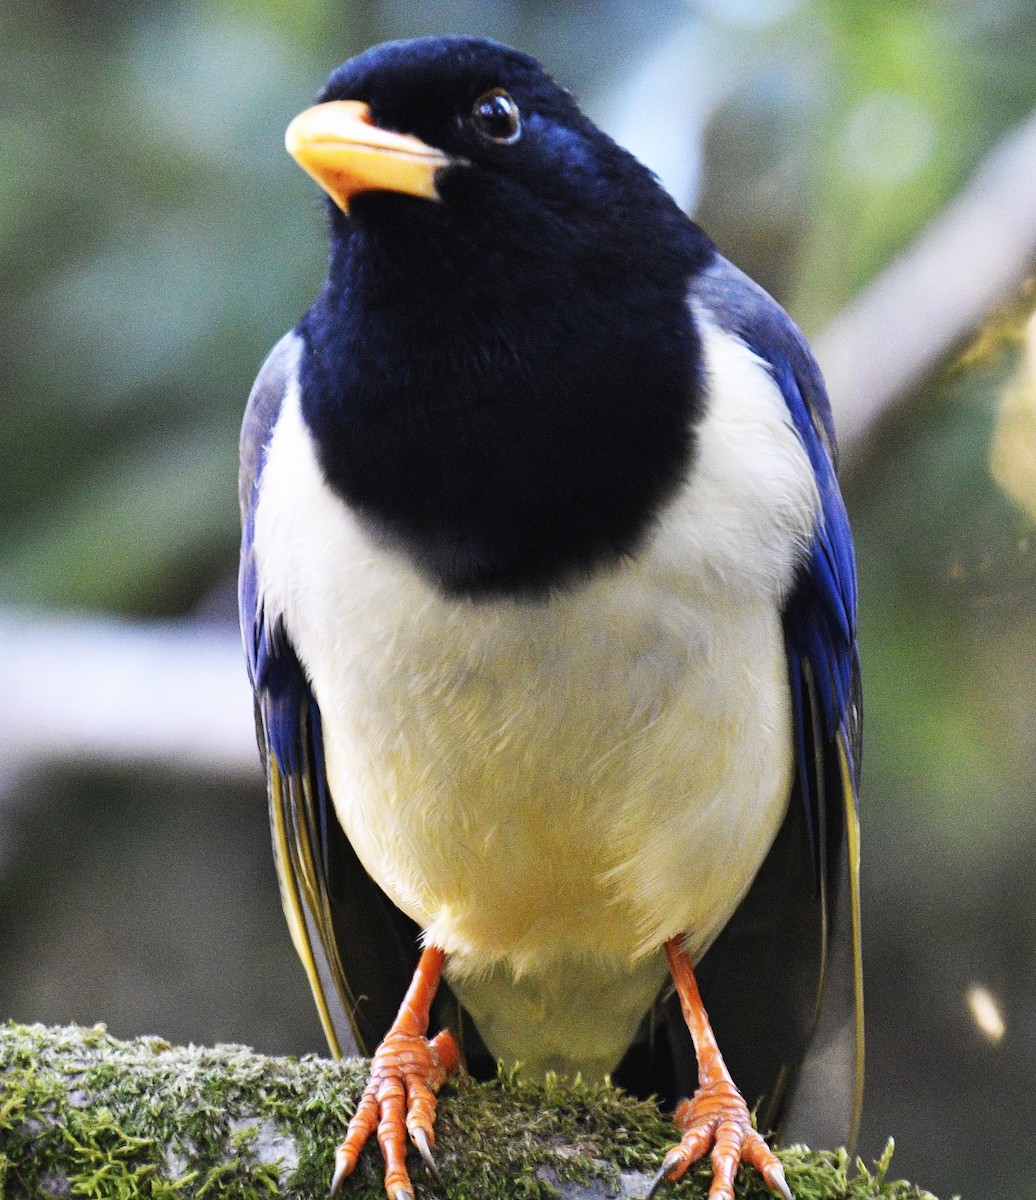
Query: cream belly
{"x":552,"y":789}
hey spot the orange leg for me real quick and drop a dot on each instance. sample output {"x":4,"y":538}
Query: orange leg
{"x":406,"y":1072}
{"x":716,"y":1117}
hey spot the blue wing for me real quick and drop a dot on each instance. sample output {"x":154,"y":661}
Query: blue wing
{"x":288,"y":727}
{"x":335,"y":912}
{"x":820,"y":938}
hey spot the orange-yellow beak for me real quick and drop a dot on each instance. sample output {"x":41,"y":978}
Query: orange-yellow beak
{"x":345,"y":152}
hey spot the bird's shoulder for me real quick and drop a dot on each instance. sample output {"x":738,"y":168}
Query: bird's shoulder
{"x":265,"y":400}
{"x":820,"y":607}
{"x":277,"y":375}
{"x":741,"y":307}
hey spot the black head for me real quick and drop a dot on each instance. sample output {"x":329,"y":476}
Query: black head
{"x":502,"y":371}
{"x":429,"y":87}
{"x":519,"y":162}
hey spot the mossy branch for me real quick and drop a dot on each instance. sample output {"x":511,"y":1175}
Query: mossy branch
{"x":82,"y":1114}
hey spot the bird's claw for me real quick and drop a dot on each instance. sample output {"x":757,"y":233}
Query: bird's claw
{"x":342,"y":1168}
{"x":716,"y":1121}
{"x":420,"y":1139}
{"x":401,"y":1193}
{"x":671,"y":1160}
{"x":406,"y":1072}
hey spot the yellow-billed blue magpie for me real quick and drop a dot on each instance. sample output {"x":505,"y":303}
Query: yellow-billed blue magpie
{"x":549,"y":601}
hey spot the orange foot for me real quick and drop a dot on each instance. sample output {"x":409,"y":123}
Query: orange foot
{"x":716,"y":1117}
{"x":406,"y":1072}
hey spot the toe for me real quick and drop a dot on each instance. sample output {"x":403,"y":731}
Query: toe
{"x":446,"y":1051}
{"x":725,"y":1157}
{"x":392,"y":1136}
{"x":716,"y":1121}
{"x":364,"y":1122}
{"x":756,"y":1152}
{"x":399,"y":1103}
{"x":421,"y":1109}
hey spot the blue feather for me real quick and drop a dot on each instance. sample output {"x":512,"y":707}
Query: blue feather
{"x":820,"y":612}
{"x":289,"y":715}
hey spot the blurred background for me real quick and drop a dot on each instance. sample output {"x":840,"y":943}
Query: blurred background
{"x":872,"y":162}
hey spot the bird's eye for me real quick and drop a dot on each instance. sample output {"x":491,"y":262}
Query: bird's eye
{"x":497,"y":116}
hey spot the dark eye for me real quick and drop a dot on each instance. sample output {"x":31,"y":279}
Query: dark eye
{"x":497,"y":116}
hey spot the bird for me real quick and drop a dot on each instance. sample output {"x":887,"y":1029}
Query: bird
{"x":548,"y":598}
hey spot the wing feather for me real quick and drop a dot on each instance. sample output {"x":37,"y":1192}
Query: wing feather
{"x":783,"y":982}
{"x":340,"y":921}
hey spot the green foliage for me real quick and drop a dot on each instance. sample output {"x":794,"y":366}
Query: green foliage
{"x":85,"y":1115}
{"x":155,"y":241}
{"x":917,"y":93}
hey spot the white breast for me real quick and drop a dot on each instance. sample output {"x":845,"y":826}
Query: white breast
{"x":551,"y":789}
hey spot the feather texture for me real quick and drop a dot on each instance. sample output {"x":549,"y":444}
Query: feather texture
{"x":549,"y":601}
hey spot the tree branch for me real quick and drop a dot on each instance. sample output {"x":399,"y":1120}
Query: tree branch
{"x":106,"y":690}
{"x":974,"y":255}
{"x":84,"y":1114}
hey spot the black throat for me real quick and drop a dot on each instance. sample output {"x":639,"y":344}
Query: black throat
{"x":509,"y":426}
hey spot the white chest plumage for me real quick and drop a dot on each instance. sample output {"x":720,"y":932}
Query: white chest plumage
{"x":551,"y":789}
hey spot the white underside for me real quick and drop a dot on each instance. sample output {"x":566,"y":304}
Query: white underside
{"x":552,"y":789}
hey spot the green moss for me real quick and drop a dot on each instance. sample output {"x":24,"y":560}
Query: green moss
{"x":82,"y":1114}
